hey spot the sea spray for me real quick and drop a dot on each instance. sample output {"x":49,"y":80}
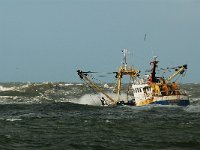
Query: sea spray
{"x":95,"y":99}
{"x":90,"y":99}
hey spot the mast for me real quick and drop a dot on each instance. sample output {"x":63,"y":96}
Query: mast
{"x":125,"y":51}
{"x":152,"y":77}
{"x":124,"y":70}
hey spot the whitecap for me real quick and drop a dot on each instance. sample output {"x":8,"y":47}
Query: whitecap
{"x":13,"y":119}
{"x":68,"y":84}
{"x":6,"y":88}
{"x":108,"y":121}
{"x":79,"y":84}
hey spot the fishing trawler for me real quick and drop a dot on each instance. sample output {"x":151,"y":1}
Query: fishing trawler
{"x":146,"y":90}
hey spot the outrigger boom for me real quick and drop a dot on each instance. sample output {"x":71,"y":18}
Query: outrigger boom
{"x":83,"y":76}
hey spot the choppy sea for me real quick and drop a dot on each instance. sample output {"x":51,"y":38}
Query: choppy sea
{"x":69,"y":116}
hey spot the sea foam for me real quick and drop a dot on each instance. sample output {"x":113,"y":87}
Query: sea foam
{"x":94,"y":99}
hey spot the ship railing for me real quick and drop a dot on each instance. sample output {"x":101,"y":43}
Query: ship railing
{"x":173,"y":92}
{"x":139,"y":82}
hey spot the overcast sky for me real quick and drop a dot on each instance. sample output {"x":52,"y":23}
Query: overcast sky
{"x":48,"y":40}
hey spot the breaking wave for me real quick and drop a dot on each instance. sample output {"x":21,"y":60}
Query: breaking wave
{"x":94,"y":99}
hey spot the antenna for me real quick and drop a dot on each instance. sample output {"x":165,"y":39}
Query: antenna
{"x":125,"y":51}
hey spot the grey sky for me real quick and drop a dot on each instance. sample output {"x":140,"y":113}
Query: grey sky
{"x":48,"y":40}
